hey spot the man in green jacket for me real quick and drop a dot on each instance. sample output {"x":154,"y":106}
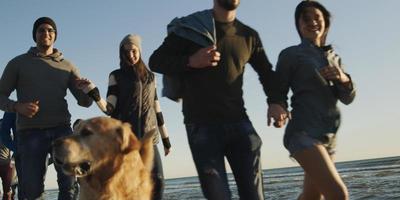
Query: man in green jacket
{"x":207,"y":51}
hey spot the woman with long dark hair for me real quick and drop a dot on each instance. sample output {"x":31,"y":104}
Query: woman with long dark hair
{"x":132,"y":98}
{"x":314,"y":73}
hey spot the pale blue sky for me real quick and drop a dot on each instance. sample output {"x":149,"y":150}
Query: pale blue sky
{"x":364,"y":32}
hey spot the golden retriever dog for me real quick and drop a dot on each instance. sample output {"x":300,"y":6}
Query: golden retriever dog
{"x":108,"y":159}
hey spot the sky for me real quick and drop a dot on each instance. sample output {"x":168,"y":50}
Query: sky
{"x":365,"y":34}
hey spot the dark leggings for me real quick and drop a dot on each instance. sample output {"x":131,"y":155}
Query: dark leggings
{"x":6,"y":177}
{"x":158,"y":176}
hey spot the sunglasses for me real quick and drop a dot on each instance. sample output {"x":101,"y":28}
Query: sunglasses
{"x":44,"y":30}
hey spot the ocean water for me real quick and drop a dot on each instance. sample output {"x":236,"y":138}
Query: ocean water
{"x":366,"y":179}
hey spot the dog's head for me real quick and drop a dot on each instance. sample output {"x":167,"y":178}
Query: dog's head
{"x":95,"y":143}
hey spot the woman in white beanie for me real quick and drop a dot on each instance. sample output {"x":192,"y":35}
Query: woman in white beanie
{"x":132,"y":98}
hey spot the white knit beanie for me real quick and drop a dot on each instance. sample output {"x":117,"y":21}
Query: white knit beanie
{"x":132,"y":39}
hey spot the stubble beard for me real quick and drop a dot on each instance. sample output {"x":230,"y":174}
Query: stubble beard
{"x":43,"y":46}
{"x":227,"y":5}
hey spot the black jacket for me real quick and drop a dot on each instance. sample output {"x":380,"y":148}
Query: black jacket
{"x":214,"y":94}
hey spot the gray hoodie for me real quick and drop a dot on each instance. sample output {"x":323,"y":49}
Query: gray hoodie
{"x":45,"y":79}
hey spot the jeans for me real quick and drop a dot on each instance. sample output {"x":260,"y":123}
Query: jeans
{"x":240,"y":144}
{"x":17,"y":161}
{"x":6,"y":173}
{"x":34,"y":145}
{"x":158,"y":176}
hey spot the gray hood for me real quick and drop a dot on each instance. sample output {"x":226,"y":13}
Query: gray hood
{"x":56,"y":56}
{"x":198,"y":27}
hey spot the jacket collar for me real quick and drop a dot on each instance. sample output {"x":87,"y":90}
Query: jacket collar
{"x":307,"y":43}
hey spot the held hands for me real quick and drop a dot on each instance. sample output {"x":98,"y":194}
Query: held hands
{"x":279,"y":114}
{"x":82,"y":83}
{"x":205,"y":57}
{"x":27,"y":109}
{"x":93,"y":92}
{"x":334,"y":73}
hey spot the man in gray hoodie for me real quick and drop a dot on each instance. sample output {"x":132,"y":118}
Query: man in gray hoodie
{"x":41,"y":78}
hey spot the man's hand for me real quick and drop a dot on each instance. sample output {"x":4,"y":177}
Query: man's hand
{"x":334,"y":73}
{"x":82,"y":83}
{"x":27,"y":109}
{"x":279,"y":114}
{"x":205,"y":57}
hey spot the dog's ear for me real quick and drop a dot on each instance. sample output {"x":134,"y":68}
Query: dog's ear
{"x":76,"y":124}
{"x":127,"y":139}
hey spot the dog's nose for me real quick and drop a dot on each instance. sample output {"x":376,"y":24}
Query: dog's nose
{"x":85,"y":166}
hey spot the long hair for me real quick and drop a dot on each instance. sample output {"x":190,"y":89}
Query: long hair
{"x":301,"y":8}
{"x":139,"y":67}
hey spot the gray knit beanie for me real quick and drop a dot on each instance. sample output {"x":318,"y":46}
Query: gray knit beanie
{"x":132,"y":39}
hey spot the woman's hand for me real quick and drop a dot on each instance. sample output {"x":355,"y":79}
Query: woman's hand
{"x":167,"y":151}
{"x":279,"y":114}
{"x":334,"y":73}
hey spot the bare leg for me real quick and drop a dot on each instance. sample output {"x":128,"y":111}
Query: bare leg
{"x":310,"y":190}
{"x":321,"y":175}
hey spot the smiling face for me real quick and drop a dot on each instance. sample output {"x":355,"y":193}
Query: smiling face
{"x":45,"y":35}
{"x":132,"y":53}
{"x":312,"y":25}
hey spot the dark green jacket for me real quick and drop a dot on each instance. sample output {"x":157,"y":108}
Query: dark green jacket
{"x":214,"y":94}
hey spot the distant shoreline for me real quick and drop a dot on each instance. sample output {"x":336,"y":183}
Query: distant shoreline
{"x":293,"y":167}
{"x":272,"y":170}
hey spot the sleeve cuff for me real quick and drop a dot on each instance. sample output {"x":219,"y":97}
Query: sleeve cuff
{"x":166,"y":143}
{"x":275,"y":101}
{"x":11,"y":106}
{"x":348,"y":86}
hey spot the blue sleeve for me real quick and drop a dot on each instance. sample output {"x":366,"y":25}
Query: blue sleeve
{"x":7,"y":125}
